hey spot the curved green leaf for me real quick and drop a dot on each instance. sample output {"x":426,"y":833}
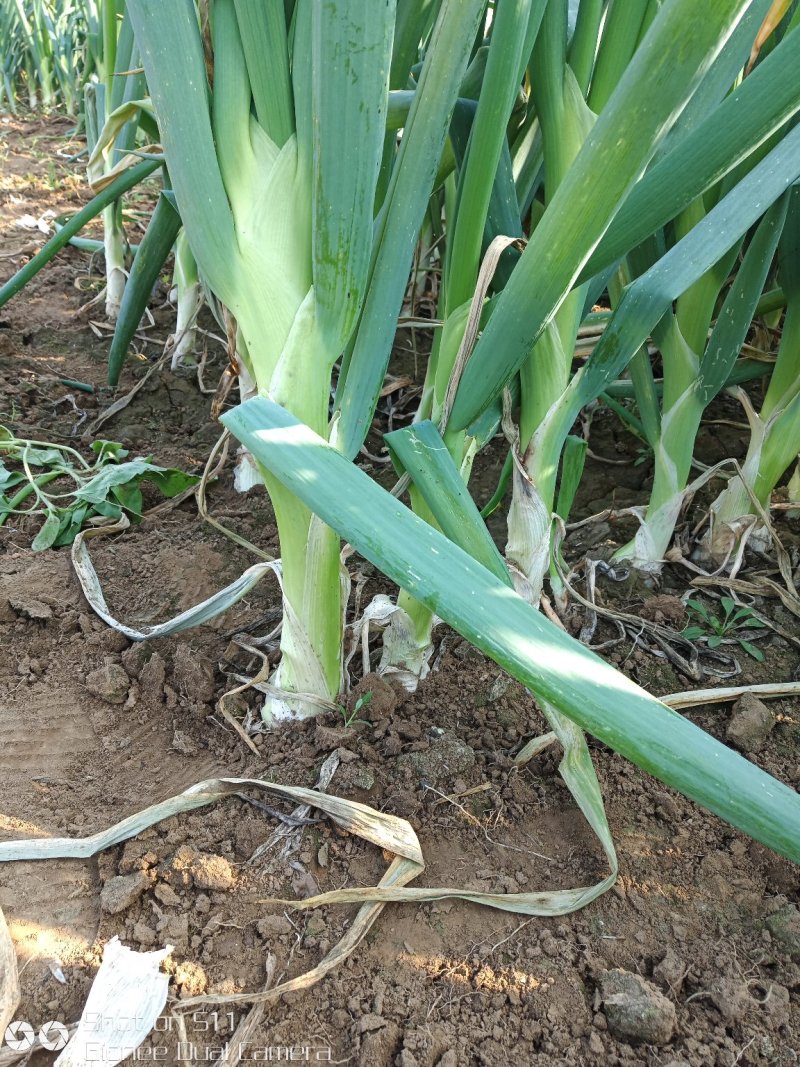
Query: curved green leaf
{"x":162,"y":229}
{"x":678,"y":49}
{"x":492,"y":616}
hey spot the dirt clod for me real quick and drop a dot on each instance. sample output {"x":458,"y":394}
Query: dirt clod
{"x":272,"y":926}
{"x":174,"y":928}
{"x":182,"y":742}
{"x":409,"y":731}
{"x":635,"y":1009}
{"x":669,"y":973}
{"x":731,"y":997}
{"x":367,"y":1023}
{"x":596,"y":1045}
{"x":784,"y":925}
{"x":135,"y":657}
{"x":179,"y":873}
{"x":136,"y":856}
{"x":194,"y":676}
{"x":109,"y":640}
{"x":447,"y":756}
{"x":120,"y":892}
{"x":380,"y":704}
{"x":191,"y":978}
{"x":379,"y":1046}
{"x":152,"y":676}
{"x":212,"y":872}
{"x":327,"y":738}
{"x":775,"y":1004}
{"x":750,"y":724}
{"x":167,"y":895}
{"x":30,"y":608}
{"x":109,"y":682}
{"x":665,"y":610}
{"x":144,"y":934}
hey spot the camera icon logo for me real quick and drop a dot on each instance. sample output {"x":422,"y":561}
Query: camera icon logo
{"x":53,"y":1036}
{"x":20,"y":1036}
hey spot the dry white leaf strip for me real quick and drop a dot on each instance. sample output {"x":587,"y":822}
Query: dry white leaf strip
{"x":388,"y":832}
{"x":194,"y":616}
{"x":9,"y":976}
{"x":282,"y":704}
{"x":127,"y":996}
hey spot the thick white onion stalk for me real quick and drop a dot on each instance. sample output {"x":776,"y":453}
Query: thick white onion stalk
{"x":116,"y":248}
{"x":189,"y":298}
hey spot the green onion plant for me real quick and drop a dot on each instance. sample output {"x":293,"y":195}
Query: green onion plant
{"x":621,"y":215}
{"x":624,"y":154}
{"x":556,"y":155}
{"x":465,"y":582}
{"x":119,"y":83}
{"x":49,"y":51}
{"x":775,"y":428}
{"x":302,"y":216}
{"x":633,"y":190}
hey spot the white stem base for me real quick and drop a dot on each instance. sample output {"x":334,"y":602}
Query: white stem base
{"x":528,"y":544}
{"x":115,"y":287}
{"x":116,"y":276}
{"x":404,"y":659}
{"x":190,"y":300}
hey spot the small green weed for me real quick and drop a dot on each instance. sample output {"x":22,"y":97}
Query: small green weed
{"x":714,"y":629}
{"x":350,"y":717}
{"x":102,"y":489}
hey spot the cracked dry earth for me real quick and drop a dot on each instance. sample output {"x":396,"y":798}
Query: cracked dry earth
{"x":692,"y":959}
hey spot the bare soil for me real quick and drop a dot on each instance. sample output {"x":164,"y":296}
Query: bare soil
{"x":445,"y":984}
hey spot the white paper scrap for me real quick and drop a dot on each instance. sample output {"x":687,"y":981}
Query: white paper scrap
{"x":127,"y":996}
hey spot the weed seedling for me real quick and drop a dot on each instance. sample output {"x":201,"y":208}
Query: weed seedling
{"x":350,"y":716}
{"x":714,"y":629}
{"x":90,"y":491}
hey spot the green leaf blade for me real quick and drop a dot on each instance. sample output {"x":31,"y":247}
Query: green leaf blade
{"x":490,"y":615}
{"x":350,"y":85}
{"x":46,"y":536}
{"x":162,"y":229}
{"x":751,"y":650}
{"x":423,"y":454}
{"x":169,"y":40}
{"x":264,"y":39}
{"x":679,"y":47}
{"x":756,"y":108}
{"x":406,"y":201}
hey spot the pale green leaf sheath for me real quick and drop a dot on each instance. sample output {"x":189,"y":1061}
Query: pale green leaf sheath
{"x":588,"y":173}
{"x":565,"y":121}
{"x":698,"y":379}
